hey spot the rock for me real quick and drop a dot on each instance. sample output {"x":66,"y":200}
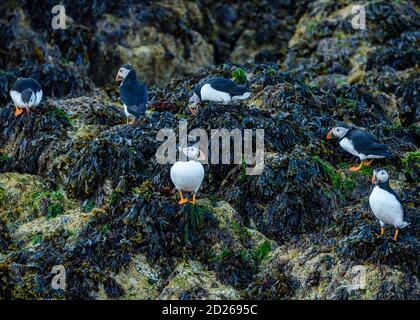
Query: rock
{"x":137,"y":281}
{"x":321,"y":274}
{"x":246,"y":48}
{"x":192,"y":282}
{"x":5,"y":239}
{"x":157,"y":64}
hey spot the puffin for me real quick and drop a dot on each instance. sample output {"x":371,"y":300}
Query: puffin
{"x":217,"y":89}
{"x":385,"y":203}
{"x":25,"y":93}
{"x":133,"y":94}
{"x":187,"y":176}
{"x":359,"y":143}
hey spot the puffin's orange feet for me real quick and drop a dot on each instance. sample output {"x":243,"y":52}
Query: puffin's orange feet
{"x":379,"y":235}
{"x":194,"y":112}
{"x":18,"y":111}
{"x":182,"y":200}
{"x":367,"y":163}
{"x":354,"y":169}
{"x":193,"y":201}
{"x":363,"y":163}
{"x":396,"y":235}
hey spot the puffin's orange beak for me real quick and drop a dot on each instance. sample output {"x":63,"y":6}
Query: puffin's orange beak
{"x":118,"y":78}
{"x":329,"y":134}
{"x":373,"y":179}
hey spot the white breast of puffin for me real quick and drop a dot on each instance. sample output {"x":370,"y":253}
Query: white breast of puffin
{"x":210,"y":94}
{"x":127,"y":114}
{"x":347,"y":145}
{"x":38,"y":98}
{"x":386,"y":207}
{"x":187,"y":175}
{"x":17,"y":98}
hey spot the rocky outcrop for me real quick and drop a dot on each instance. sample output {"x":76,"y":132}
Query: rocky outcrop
{"x":327,"y":52}
{"x":161,"y":39}
{"x":103,"y":201}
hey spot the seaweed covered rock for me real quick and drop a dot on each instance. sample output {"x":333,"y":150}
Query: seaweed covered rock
{"x":29,"y":54}
{"x":311,"y":268}
{"x":25,"y":141}
{"x":192,"y":282}
{"x":271,"y":282}
{"x":362,"y":245}
{"x":134,"y":237}
{"x":388,"y":48}
{"x":5,"y":236}
{"x":102,"y":162}
{"x":138,"y":280}
{"x":160,"y":39}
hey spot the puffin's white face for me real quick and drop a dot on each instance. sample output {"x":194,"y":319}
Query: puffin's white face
{"x":337,"y":132}
{"x":122,"y":73}
{"x":379,"y":176}
{"x":32,"y":100}
{"x":194,"y":100}
{"x":193,"y":153}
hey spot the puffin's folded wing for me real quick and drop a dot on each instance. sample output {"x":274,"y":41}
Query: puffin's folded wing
{"x":133,"y":95}
{"x":378,"y":149}
{"x":366,"y":143}
{"x":226,"y":85}
{"x":362,"y":135}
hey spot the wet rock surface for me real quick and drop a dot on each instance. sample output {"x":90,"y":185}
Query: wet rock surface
{"x":82,"y":189}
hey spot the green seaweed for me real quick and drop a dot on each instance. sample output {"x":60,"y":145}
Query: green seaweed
{"x":37,"y":238}
{"x":261,"y":252}
{"x":336,"y":178}
{"x":54,"y":210}
{"x":88,"y":206}
{"x":61,"y":114}
{"x":239,"y":75}
{"x":4,"y":157}
{"x":411,"y":165}
{"x":346,"y":103}
{"x":223,"y":256}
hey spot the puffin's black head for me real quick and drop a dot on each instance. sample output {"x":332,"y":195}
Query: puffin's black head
{"x":194,"y":153}
{"x":123,"y":72}
{"x":339,"y":131}
{"x":194,"y":98}
{"x":380,"y":176}
{"x":28,"y":97}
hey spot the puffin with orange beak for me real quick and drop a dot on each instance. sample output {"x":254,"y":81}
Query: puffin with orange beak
{"x":385,"y":203}
{"x":25,"y":93}
{"x":133,"y":94}
{"x":359,"y":143}
{"x":187,"y":176}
